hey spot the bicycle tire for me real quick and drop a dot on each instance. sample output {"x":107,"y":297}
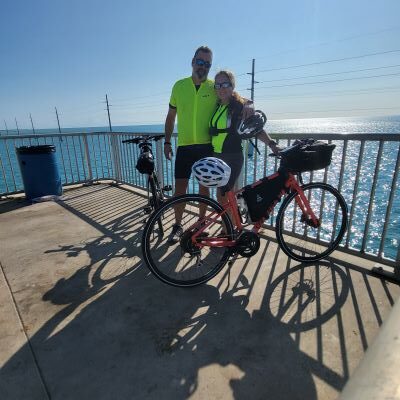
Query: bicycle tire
{"x":305,"y":243}
{"x":173,"y":263}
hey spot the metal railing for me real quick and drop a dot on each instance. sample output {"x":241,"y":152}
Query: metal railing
{"x":365,"y":170}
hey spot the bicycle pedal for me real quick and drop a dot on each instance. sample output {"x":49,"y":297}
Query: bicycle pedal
{"x":147,"y":210}
{"x":167,"y":188}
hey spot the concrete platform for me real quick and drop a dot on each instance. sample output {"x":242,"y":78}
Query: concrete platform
{"x":82,"y":318}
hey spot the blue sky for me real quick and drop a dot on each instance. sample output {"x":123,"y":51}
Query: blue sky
{"x":69,"y":53}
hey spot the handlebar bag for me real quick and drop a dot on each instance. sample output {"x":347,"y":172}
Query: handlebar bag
{"x":307,"y":155}
{"x":145,"y":164}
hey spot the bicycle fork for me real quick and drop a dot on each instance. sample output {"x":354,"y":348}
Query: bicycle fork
{"x":307,"y":214}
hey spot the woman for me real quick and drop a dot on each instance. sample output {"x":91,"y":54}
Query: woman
{"x":226,"y":142}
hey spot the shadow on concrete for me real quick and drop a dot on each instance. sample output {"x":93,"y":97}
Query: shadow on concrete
{"x":123,"y":334}
{"x":11,"y":204}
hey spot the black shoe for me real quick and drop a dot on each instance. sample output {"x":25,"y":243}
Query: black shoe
{"x":175,"y":234}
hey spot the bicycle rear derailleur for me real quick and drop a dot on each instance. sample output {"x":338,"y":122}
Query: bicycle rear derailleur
{"x":247,"y":244}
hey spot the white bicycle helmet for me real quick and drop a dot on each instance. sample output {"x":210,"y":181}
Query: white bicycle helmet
{"x":249,"y":127}
{"x":211,"y":172}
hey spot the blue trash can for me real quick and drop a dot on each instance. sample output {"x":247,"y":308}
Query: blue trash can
{"x":39,"y":170}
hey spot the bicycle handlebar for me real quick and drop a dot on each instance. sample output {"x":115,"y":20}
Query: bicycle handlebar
{"x":140,"y":139}
{"x":285,"y":151}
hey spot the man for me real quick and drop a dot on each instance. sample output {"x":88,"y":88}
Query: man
{"x":193,"y":100}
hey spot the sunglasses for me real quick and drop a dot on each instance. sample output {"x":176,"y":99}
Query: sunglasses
{"x":224,"y":85}
{"x":201,"y":63}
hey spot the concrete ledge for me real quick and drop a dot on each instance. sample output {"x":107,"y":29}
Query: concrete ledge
{"x":378,"y":375}
{"x":21,"y":378}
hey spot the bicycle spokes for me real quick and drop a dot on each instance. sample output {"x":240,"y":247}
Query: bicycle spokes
{"x":311,"y":224}
{"x":196,"y":256}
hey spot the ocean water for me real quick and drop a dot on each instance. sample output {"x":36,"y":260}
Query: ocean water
{"x":345,"y":125}
{"x":386,"y":124}
{"x":358,"y":198}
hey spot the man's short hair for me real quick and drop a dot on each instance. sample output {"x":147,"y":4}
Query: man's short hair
{"x":204,"y":49}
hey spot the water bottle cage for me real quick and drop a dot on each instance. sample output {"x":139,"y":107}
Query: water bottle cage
{"x":242,"y":208}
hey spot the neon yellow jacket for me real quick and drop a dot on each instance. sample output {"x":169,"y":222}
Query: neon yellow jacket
{"x":194,"y":110}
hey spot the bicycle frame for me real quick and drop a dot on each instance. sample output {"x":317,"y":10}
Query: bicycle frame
{"x":309,"y":225}
{"x":145,"y":146}
{"x":231,"y":206}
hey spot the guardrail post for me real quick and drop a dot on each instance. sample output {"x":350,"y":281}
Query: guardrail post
{"x":115,"y":155}
{"x":4,"y":175}
{"x":87,"y":157}
{"x":159,"y":163}
{"x":241,"y":180}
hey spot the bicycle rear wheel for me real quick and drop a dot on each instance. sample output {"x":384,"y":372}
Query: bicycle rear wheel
{"x":295,"y":233}
{"x":184,"y":263}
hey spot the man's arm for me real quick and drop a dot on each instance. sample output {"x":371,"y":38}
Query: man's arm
{"x":169,"y":129}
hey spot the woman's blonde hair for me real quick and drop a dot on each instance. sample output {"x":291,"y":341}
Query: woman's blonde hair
{"x":232,"y":80}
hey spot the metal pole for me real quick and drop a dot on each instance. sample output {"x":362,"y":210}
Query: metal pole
{"x":33,"y":128}
{"x":108,"y":112}
{"x":16,"y":123}
{"x":252,"y":99}
{"x":252,"y":79}
{"x":252,"y":73}
{"x":114,"y":147}
{"x":5,"y":123}
{"x":58,"y":121}
{"x":247,"y":151}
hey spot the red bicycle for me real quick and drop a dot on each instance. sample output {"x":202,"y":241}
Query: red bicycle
{"x":310,"y":223}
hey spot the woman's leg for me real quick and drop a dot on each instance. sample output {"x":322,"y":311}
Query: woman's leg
{"x":235,"y":162}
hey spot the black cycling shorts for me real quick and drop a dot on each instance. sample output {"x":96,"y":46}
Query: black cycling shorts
{"x":186,"y":156}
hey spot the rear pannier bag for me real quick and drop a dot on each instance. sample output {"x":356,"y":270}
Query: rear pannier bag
{"x":261,"y":197}
{"x":307,"y":155}
{"x":145,"y":163}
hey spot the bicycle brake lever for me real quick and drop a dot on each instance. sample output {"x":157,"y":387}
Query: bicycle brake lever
{"x":156,"y":137}
{"x":135,"y":140}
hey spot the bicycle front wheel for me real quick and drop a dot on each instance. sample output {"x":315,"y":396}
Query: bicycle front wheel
{"x":185,"y":263}
{"x":298,"y":237}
